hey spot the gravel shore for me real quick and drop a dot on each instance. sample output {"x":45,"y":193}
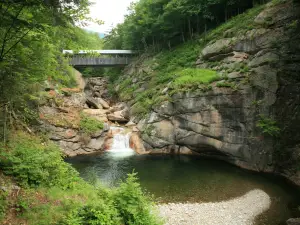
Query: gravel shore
{"x":238,"y":211}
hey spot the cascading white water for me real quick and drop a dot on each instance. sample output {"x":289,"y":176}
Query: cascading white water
{"x":121,"y":141}
{"x":120,"y":146}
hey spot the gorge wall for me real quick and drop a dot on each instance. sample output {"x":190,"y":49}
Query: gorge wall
{"x":251,"y":116}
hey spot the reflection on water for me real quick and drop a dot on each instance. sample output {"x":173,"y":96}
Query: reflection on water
{"x":192,"y":179}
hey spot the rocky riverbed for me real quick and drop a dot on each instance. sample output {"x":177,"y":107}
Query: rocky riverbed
{"x":237,"y":211}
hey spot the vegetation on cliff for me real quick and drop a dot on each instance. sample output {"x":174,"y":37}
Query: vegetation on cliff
{"x":175,"y":69}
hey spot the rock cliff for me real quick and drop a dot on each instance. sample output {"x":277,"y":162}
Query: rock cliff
{"x":251,"y":116}
{"x":78,"y":119}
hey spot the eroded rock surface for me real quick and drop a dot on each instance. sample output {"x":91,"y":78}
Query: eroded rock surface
{"x":262,"y":67}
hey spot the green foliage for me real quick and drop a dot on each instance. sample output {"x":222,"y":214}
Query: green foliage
{"x":133,"y":205}
{"x":53,"y":193}
{"x":32,"y":36}
{"x":293,"y":25}
{"x":22,"y":205}
{"x":126,"y":204}
{"x":91,"y":72}
{"x":3,"y":204}
{"x":36,"y":164}
{"x":154,"y":25}
{"x":238,"y":24}
{"x":97,"y":213}
{"x":268,"y":125}
{"x":193,"y":77}
{"x":89,"y":125}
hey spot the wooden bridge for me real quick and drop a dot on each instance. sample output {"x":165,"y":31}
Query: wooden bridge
{"x":101,"y":58}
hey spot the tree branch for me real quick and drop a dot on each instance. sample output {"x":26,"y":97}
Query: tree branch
{"x":5,"y":53}
{"x":7,"y":32}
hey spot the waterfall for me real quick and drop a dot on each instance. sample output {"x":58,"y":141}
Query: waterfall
{"x":121,"y":141}
{"x":120,"y":146}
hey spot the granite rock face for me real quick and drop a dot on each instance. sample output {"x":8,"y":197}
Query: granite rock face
{"x":62,"y":121}
{"x":263,"y":66}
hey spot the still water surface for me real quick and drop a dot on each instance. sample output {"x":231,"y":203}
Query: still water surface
{"x":192,"y":179}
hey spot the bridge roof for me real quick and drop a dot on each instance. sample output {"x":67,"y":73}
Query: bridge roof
{"x":103,"y":52}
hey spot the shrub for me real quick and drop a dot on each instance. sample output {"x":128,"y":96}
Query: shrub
{"x":99,"y":212}
{"x":54,"y":193}
{"x":268,"y":125}
{"x":89,"y":125}
{"x":126,"y":204}
{"x":133,"y":205}
{"x":36,"y":164}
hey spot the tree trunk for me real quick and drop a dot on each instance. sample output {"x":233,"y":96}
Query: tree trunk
{"x":182,"y":35}
{"x":198,"y":30}
{"x":190,"y":30}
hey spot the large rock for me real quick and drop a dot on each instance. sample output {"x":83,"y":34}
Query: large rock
{"x":219,"y":47}
{"x":136,"y":143}
{"x":99,"y":114}
{"x":96,"y":143}
{"x":93,"y":103}
{"x":117,"y":116}
{"x":293,"y":221}
{"x":267,"y":58}
{"x":102,"y":102}
{"x":119,"y":106}
{"x":95,"y":112}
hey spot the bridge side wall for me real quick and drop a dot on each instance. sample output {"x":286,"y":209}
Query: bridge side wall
{"x":92,"y":61}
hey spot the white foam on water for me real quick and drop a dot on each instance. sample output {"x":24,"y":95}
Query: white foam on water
{"x":120,"y":147}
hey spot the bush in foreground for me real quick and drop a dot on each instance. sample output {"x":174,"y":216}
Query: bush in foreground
{"x":53,"y":193}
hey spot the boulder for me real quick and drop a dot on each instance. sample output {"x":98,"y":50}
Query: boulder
{"x":98,"y":114}
{"x":165,"y":108}
{"x":69,"y":133}
{"x":70,"y":153}
{"x":96,"y":143}
{"x":69,"y":146}
{"x":135,"y":129}
{"x":92,"y":103}
{"x":221,"y":46}
{"x":102,"y":102}
{"x":293,"y":221}
{"x":95,"y":112}
{"x":235,"y":75}
{"x":267,"y":58}
{"x":185,"y":150}
{"x":155,"y":142}
{"x":75,"y":100}
{"x":130,"y":124}
{"x":119,"y":107}
{"x":108,"y":142}
{"x":117,"y":116}
{"x":136,"y":143}
{"x":97,"y":134}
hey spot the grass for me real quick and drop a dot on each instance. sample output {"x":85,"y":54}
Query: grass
{"x":192,"y":77}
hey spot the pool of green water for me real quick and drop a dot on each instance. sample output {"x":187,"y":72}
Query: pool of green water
{"x":193,"y":179}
